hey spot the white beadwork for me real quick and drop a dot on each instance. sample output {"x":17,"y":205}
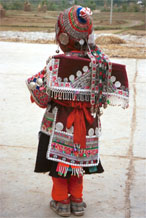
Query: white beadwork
{"x":32,"y":85}
{"x":39,"y":81}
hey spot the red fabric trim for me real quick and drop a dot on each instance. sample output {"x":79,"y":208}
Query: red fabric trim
{"x":77,"y":117}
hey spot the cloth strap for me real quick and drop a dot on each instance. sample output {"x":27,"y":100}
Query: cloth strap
{"x":77,"y":117}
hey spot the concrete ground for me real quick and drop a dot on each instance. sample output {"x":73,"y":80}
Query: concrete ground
{"x":120,"y":192}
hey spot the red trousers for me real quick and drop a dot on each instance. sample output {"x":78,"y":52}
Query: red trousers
{"x":62,"y":188}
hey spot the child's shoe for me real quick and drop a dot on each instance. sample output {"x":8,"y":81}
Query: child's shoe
{"x":77,"y":207}
{"x":60,"y":207}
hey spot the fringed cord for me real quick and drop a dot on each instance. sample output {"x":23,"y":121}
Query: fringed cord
{"x":62,"y":170}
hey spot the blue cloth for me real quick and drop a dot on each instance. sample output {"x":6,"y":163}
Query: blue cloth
{"x":81,"y":20}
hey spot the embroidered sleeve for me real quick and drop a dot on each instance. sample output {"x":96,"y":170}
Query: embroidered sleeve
{"x":37,"y":88}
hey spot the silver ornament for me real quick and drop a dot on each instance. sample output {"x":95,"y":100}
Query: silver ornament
{"x":91,"y":132}
{"x":32,"y":85}
{"x":81,"y":42}
{"x":63,"y":38}
{"x":117,"y":84}
{"x":85,"y":69}
{"x":65,"y":79}
{"x":79,"y":73}
{"x":113,"y":78}
{"x":71,"y":78}
{"x":59,"y":79}
{"x":59,"y":126}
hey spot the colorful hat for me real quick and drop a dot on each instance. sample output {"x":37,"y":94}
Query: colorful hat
{"x":74,"y":25}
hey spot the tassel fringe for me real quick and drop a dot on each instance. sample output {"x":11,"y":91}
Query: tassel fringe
{"x":62,"y":170}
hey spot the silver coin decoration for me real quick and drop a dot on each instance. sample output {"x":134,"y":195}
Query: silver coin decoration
{"x":91,"y":132}
{"x":65,"y":79}
{"x":59,"y":126}
{"x":117,"y":84}
{"x":70,"y":130}
{"x":71,"y":78}
{"x":85,"y":69}
{"x":32,"y":85}
{"x":79,"y":73}
{"x":81,"y":41}
{"x":113,"y":78}
{"x":39,"y":81}
{"x":90,"y":64}
{"x":63,"y":38}
{"x":59,"y":79}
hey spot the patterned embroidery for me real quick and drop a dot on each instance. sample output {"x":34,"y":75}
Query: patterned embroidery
{"x":47,"y":123}
{"x":37,"y":88}
{"x":62,"y":149}
{"x":82,"y":88}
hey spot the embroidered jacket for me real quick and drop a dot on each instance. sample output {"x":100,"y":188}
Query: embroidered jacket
{"x":68,"y":87}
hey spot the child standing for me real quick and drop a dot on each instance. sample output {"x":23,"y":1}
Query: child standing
{"x":73,"y":87}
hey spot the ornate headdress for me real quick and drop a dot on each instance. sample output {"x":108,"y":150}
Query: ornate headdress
{"x":73,"y":28}
{"x":74,"y":25}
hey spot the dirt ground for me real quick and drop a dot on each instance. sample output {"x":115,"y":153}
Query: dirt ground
{"x":130,"y":24}
{"x":130,"y":50}
{"x":134,"y":46}
{"x":117,"y":193}
{"x":39,"y":21}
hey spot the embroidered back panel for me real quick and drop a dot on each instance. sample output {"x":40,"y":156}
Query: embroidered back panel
{"x":69,"y":78}
{"x":93,"y":129}
{"x":61,"y":146}
{"x":62,"y":149}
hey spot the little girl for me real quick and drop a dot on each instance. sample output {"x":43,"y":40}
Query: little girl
{"x":73,"y":87}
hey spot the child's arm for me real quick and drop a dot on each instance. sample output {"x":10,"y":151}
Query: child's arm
{"x":37,"y":88}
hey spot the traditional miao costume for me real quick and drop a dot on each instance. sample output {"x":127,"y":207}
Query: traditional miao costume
{"x":73,"y":87}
